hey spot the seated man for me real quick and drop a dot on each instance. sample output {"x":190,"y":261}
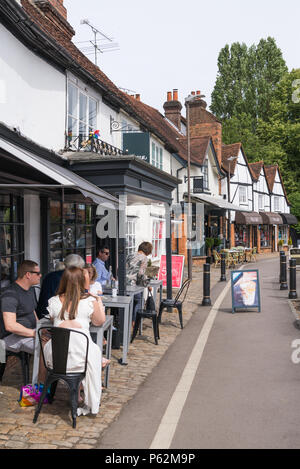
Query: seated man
{"x":18,"y":309}
{"x":102,"y":273}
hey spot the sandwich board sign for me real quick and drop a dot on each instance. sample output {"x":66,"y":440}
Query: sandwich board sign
{"x":177,"y":270}
{"x":245,"y":290}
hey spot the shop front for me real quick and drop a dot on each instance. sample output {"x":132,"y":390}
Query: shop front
{"x":246,"y":229}
{"x":269,"y":231}
{"x":285,"y":230}
{"x":46,"y":211}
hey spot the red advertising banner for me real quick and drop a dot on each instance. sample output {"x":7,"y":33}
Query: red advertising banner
{"x":177,"y":270}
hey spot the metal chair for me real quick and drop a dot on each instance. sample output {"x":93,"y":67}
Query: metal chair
{"x":217,"y":258}
{"x":60,"y":338}
{"x":24,"y":358}
{"x":177,"y":302}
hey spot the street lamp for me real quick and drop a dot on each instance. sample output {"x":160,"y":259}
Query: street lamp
{"x":230,"y":159}
{"x":190,"y":99}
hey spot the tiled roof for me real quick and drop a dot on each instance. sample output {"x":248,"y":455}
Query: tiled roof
{"x":227,"y":152}
{"x":271,"y":175}
{"x":144,"y":114}
{"x":255,"y":169}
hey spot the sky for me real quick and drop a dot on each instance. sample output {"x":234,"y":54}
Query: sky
{"x":168,"y":44}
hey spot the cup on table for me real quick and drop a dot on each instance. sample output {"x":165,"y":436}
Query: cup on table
{"x":114,"y":292}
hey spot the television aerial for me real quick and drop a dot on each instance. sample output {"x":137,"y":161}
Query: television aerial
{"x":101,"y":43}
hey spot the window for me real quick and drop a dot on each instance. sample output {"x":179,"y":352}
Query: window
{"x":205,"y":175}
{"x":283,"y":234}
{"x":11,"y":238}
{"x":157,"y":156}
{"x":71,"y":231}
{"x":265,"y":236}
{"x":82,"y":114}
{"x":157,"y":238}
{"x":130,"y":237}
{"x":276,"y":204}
{"x":242,"y":195}
{"x":260,"y":202}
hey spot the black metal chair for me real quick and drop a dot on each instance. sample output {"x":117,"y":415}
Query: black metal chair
{"x":176,"y":303}
{"x":143,"y":313}
{"x":24,"y":360}
{"x":60,"y":338}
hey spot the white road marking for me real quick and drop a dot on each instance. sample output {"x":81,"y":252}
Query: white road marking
{"x":166,"y":430}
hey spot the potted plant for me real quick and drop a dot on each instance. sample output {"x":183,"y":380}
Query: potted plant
{"x":209,"y":243}
{"x":217,"y":243}
{"x":280,"y":244}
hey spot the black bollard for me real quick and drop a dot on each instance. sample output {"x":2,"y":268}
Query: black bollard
{"x":281,"y":254}
{"x":206,"y":285}
{"x":283,"y":284}
{"x":293,"y":287}
{"x":223,"y":267}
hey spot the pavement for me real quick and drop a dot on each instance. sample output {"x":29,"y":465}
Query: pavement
{"x":146,"y":366}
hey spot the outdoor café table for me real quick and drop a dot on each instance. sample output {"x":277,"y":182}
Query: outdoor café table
{"x":156,"y":284}
{"x":122,"y":303}
{"x":97,"y":330}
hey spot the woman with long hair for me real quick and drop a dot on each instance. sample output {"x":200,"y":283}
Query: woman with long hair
{"x":74,"y":308}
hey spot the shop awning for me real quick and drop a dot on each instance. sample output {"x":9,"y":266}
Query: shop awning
{"x":288,"y":219}
{"x":62,"y":176}
{"x":248,"y":218}
{"x":216,"y":202}
{"x":270,"y":218}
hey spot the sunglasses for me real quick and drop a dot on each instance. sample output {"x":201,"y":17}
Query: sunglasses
{"x":34,"y":272}
{"x":106,"y":253}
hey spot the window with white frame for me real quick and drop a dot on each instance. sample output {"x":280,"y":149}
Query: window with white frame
{"x":157,"y":238}
{"x":276,"y":204}
{"x":130,"y":236}
{"x":157,"y":156}
{"x":260,"y":202}
{"x":82,"y":114}
{"x":205,"y":174}
{"x":243,"y":195}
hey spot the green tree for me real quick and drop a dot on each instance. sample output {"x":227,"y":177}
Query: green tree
{"x":246,"y":80}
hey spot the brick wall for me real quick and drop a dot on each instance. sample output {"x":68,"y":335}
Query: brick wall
{"x":59,"y":6}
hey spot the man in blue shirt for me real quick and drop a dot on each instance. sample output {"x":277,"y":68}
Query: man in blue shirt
{"x":99,"y":263}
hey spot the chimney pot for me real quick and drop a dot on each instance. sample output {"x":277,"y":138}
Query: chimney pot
{"x":175,"y":95}
{"x":193,"y":93}
{"x":198,"y":92}
{"x":169,"y":96}
{"x":138,"y":97}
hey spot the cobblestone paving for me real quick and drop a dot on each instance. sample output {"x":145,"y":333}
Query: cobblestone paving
{"x":53,"y":429}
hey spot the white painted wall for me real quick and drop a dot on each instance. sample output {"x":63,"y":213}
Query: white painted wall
{"x":261,"y":187}
{"x":241,"y":177}
{"x":32,"y":93}
{"x":279,"y":193}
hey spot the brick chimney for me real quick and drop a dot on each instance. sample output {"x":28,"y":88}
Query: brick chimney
{"x":55,"y":12}
{"x":173,"y":108}
{"x":204,"y":123}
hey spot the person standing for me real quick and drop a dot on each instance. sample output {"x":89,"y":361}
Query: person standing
{"x":102,"y":273}
{"x":18,"y":306}
{"x":136,"y":265}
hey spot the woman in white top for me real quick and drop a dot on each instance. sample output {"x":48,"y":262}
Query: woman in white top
{"x":74,"y":308}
